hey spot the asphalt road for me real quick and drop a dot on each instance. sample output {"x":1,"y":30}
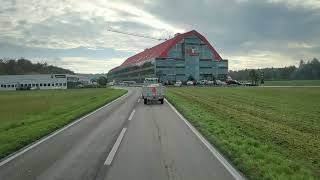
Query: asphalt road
{"x":124,"y":140}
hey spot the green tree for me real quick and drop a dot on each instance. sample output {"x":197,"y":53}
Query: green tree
{"x":102,"y":81}
{"x":254,"y":76}
{"x":190,"y":78}
{"x":24,"y":66}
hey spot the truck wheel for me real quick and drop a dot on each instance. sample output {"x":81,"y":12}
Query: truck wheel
{"x":161,"y":100}
{"x":145,"y":101}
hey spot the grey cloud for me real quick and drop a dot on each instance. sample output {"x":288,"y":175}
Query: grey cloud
{"x":235,"y":28}
{"x":229,"y":24}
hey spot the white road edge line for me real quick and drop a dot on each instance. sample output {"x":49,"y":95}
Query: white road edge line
{"x":213,"y":150}
{"x":131,"y":115}
{"x":115,"y":148}
{"x":36,"y":143}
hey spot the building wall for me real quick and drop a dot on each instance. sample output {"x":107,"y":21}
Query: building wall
{"x":189,"y":57}
{"x":135,"y":72}
{"x":43,"y":81}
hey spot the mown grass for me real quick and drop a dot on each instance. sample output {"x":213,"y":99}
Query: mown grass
{"x":26,"y":116}
{"x":293,"y":83}
{"x":268,"y":133}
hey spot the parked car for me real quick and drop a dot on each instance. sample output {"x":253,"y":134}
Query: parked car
{"x":35,"y":88}
{"x":250,"y":84}
{"x":111,"y":83}
{"x":233,"y":82}
{"x":23,"y":88}
{"x":178,"y":84}
{"x":210,"y":83}
{"x":190,"y":83}
{"x":220,"y":83}
{"x":203,"y":82}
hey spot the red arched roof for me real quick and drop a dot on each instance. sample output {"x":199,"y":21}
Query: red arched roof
{"x":162,"y":50}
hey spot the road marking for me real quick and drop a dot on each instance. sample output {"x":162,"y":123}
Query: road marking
{"x":115,"y":148}
{"x":289,"y":86}
{"x":215,"y":152}
{"x":131,"y":115}
{"x":36,"y":143}
{"x":138,"y":100}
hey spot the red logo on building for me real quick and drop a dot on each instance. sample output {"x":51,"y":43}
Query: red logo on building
{"x":192,"y":52}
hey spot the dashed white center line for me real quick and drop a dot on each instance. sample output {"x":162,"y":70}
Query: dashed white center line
{"x":115,"y":148}
{"x":131,"y":115}
{"x":138,"y":100}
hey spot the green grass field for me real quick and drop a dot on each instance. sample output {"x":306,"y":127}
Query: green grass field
{"x":293,"y":83}
{"x":26,"y":116}
{"x":268,"y":133}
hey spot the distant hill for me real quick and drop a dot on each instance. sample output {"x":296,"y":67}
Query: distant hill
{"x":93,"y":77}
{"x":24,"y":66}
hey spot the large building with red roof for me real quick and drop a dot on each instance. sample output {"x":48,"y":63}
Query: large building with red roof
{"x":187,"y":56}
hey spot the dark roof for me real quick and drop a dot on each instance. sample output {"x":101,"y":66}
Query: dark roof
{"x":161,"y":50}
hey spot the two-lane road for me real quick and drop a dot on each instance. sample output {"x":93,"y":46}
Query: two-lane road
{"x":123,"y":140}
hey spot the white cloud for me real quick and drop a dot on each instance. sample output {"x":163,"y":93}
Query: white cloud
{"x":259,"y":59}
{"x":298,"y":45}
{"x":73,"y":23}
{"x":310,"y":4}
{"x":84,"y":65}
{"x":250,"y":33}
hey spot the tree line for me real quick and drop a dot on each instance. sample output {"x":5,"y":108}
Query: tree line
{"x":307,"y":70}
{"x":23,"y":66}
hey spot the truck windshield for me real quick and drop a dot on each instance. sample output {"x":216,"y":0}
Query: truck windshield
{"x":151,"y":81}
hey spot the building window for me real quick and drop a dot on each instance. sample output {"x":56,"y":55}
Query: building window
{"x":1,"y":85}
{"x":41,"y":84}
{"x":60,"y":76}
{"x":44,"y":84}
{"x":52,"y":84}
{"x":12,"y":85}
{"x":56,"y":84}
{"x":64,"y":84}
{"x":60,"y":84}
{"x":165,"y":67}
{"x":49,"y":84}
{"x":37,"y":85}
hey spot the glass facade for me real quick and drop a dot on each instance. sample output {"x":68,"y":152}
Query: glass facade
{"x":135,"y":72}
{"x":190,"y":58}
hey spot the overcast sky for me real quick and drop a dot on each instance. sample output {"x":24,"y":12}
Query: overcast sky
{"x":72,"y":33}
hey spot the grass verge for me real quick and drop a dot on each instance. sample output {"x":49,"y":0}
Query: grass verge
{"x":26,"y":116}
{"x":268,"y":133}
{"x":293,"y":83}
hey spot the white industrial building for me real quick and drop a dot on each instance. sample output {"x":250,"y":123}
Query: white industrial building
{"x":38,"y":81}
{"x":84,"y":80}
